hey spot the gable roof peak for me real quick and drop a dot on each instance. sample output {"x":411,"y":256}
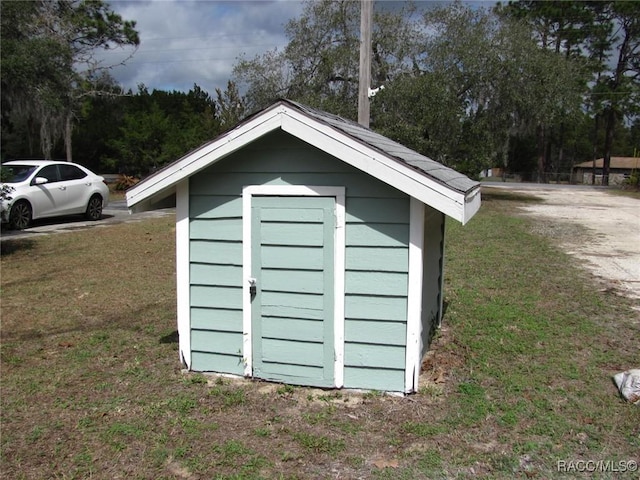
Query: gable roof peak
{"x":407,"y":170}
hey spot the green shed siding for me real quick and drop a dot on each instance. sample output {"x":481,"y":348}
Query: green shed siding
{"x":433,"y":267}
{"x":376,"y":258}
{"x":215,"y":271}
{"x":376,"y":276}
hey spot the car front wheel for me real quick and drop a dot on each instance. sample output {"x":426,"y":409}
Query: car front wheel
{"x":94,"y":208}
{"x":20,"y":216}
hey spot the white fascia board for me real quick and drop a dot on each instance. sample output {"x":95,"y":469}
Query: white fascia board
{"x":472,"y":204}
{"x":205,"y":156}
{"x":369,"y":160}
{"x":183,"y":272}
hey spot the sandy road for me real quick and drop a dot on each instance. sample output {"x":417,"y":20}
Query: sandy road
{"x":610,"y":244}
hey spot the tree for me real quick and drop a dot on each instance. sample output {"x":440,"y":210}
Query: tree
{"x":617,"y":86}
{"x":230,"y":105}
{"x":559,"y":25}
{"x":140,"y":146}
{"x":99,"y":120}
{"x":49,"y":62}
{"x":460,"y":82}
{"x":607,"y":34}
{"x":560,"y":28}
{"x":480,"y":82}
{"x":158,"y":127}
{"x":319,"y":65}
{"x":31,"y":76}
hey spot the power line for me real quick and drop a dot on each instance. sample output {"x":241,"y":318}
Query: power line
{"x":169,"y":50}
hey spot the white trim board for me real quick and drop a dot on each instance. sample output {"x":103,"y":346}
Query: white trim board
{"x":183,"y":272}
{"x":414,"y":296}
{"x":369,"y":160}
{"x":339,"y":266}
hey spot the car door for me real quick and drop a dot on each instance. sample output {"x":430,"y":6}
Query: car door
{"x":77,"y":185}
{"x":49,"y":198}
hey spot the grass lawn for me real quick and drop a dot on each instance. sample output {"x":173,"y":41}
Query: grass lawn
{"x":517,"y":380}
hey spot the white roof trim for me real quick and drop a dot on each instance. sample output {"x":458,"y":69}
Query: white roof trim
{"x":451,"y":202}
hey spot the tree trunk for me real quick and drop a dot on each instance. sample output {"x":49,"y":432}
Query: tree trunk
{"x":547,"y":158}
{"x":68,"y":130}
{"x":560,"y":163}
{"x":595,"y":149}
{"x":541,"y":153}
{"x":608,"y":143}
{"x":624,"y":56}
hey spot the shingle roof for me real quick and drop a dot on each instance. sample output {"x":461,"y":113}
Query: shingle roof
{"x":421,"y":163}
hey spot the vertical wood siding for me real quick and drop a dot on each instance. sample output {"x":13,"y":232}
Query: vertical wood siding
{"x":293,"y":310}
{"x":376,"y":257}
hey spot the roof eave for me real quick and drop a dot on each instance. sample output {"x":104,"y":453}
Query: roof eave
{"x":386,"y":168}
{"x":472,"y":202}
{"x":200,"y":158}
{"x":461,"y":206}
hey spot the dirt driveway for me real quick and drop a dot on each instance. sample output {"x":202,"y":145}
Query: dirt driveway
{"x":606,"y":237}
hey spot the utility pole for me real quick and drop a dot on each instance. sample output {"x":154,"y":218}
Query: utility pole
{"x":366,"y":21}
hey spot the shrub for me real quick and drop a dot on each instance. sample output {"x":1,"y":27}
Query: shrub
{"x":633,"y":180}
{"x":125,"y":182}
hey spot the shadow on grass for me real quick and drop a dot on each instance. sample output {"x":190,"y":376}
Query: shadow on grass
{"x":12,"y":246}
{"x":170,"y":338}
{"x":100,"y":324}
{"x":492,"y":194}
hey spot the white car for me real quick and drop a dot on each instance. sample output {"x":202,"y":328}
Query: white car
{"x":42,"y":188}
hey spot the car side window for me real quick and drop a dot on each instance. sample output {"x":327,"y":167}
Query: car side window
{"x":71,"y":172}
{"x":50,"y":172}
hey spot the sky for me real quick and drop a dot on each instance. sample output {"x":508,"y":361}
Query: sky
{"x":185,"y":42}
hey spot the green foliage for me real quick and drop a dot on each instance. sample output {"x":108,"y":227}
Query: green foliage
{"x":487,"y":83}
{"x":155,"y":128}
{"x":285,"y":390}
{"x":605,"y":36}
{"x":231,"y":106}
{"x":468,"y":87}
{"x":422,"y":429}
{"x":48,"y":66}
{"x":140,"y":146}
{"x":461,"y":84}
{"x":319,"y":66}
{"x":633,"y":181}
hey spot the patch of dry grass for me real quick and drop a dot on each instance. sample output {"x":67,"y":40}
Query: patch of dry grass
{"x":517,"y":380}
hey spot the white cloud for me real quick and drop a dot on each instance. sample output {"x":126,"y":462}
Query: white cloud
{"x":186,"y":42}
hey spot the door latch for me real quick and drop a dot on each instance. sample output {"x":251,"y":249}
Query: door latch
{"x":253,"y":288}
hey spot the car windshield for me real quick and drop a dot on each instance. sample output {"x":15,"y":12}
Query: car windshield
{"x":16,"y":173}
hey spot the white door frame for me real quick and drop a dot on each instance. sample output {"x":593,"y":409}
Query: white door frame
{"x":339,"y":266}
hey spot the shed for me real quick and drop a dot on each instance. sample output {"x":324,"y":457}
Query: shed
{"x":309,"y":250}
